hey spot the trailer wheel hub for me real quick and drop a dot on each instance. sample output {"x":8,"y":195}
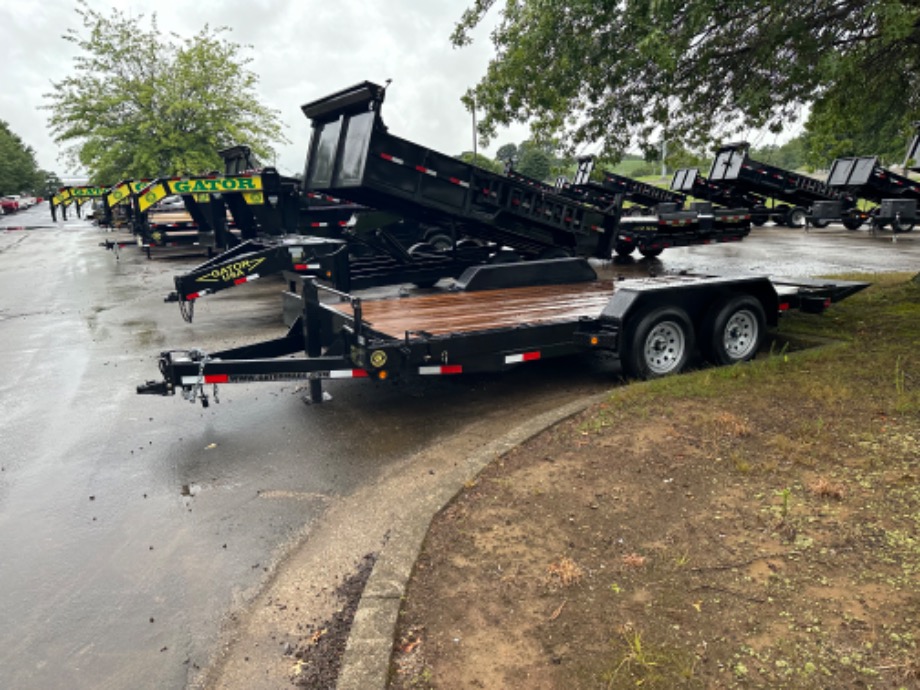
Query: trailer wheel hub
{"x":740,"y":334}
{"x":664,"y":347}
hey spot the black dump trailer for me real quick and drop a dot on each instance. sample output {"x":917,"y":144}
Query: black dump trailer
{"x":645,"y":199}
{"x":896,"y":195}
{"x":733,"y":166}
{"x":503,"y":316}
{"x":671,"y":225}
{"x":352,"y":155}
{"x":692,"y":182}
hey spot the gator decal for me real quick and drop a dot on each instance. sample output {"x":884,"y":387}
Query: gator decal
{"x":87,"y":192}
{"x":151,"y":195}
{"x":231,"y":272}
{"x":254,"y":198}
{"x":216,"y":185}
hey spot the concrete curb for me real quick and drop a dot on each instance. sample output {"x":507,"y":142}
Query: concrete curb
{"x":365,"y":665}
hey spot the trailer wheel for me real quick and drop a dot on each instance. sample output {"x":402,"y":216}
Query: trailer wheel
{"x":624,"y":248}
{"x":441,"y":242}
{"x":659,"y":344}
{"x":649,"y":253}
{"x":796,"y":217}
{"x":733,"y":330}
{"x":852,"y":223}
{"x":820,"y":222}
{"x":759,"y":215}
{"x":422,"y":248}
{"x":899,"y":226}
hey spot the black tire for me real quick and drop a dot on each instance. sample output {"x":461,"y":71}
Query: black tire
{"x":441,"y":241}
{"x":635,"y":211}
{"x":900,"y":226}
{"x":733,"y":330}
{"x":852,"y":223}
{"x":820,"y":222}
{"x":759,"y":216}
{"x":796,"y":217}
{"x":659,"y":344}
{"x":624,"y":248}
{"x":650,"y":253}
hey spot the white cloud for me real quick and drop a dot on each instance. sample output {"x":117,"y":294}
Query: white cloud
{"x":301,"y":49}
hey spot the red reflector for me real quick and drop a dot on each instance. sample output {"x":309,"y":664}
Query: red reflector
{"x":359,"y":373}
{"x":452,"y":369}
{"x":784,"y":306}
{"x":217,"y":378}
{"x":531,"y":356}
{"x":386,"y":156}
{"x":193,"y":296}
{"x":239,"y":281}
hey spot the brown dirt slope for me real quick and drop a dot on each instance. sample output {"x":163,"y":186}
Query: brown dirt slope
{"x":755,"y":526}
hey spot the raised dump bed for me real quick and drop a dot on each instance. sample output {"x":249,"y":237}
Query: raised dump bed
{"x":352,"y":155}
{"x":733,"y":166}
{"x":644,"y":197}
{"x":863,"y":176}
{"x":692,"y":182}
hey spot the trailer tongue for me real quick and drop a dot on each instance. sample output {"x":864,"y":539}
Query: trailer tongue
{"x":503,"y":316}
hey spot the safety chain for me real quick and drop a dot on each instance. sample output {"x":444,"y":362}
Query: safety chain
{"x":196,"y":390}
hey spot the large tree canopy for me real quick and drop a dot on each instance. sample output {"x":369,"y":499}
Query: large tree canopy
{"x":141,"y":103}
{"x":612,"y":72}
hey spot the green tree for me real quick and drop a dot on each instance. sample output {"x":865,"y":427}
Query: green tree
{"x":141,"y":103}
{"x":18,"y":170}
{"x":482,"y":161}
{"x":591,"y":71}
{"x":507,"y":152}
{"x":790,"y":155}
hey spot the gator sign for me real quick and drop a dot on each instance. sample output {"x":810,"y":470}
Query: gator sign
{"x":199,"y":185}
{"x":88,"y":192}
{"x":122,"y":192}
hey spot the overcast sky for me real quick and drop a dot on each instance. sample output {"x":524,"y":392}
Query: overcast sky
{"x":302,"y":50}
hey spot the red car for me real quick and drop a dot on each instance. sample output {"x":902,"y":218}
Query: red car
{"x":9,"y":204}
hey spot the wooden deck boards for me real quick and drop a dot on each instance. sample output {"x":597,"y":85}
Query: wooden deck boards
{"x":465,"y":312}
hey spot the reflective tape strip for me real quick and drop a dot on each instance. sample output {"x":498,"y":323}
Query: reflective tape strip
{"x":208,"y":378}
{"x":246,"y":279}
{"x":438,"y":370}
{"x":319,"y":225}
{"x":523,"y":357}
{"x":348,"y":374}
{"x":307,"y":267}
{"x":196,"y":295}
{"x":426,"y":171}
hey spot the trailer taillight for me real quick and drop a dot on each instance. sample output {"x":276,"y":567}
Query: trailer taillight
{"x":784,"y":306}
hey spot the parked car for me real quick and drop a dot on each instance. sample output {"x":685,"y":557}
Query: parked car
{"x":9,"y":203}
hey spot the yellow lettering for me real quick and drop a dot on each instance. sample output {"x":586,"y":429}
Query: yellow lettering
{"x":231,"y":272}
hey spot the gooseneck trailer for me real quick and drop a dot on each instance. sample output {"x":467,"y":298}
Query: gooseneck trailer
{"x":502,"y":316}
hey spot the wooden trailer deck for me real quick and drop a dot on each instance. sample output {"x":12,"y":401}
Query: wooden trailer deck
{"x":467,"y":312}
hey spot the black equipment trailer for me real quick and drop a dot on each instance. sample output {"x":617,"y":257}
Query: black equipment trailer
{"x":503,"y":316}
{"x":733,"y":166}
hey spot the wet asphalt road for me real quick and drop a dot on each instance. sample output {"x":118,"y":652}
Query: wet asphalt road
{"x":130,"y":526}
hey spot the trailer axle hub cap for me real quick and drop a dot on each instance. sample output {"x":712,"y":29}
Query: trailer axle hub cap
{"x":664,"y":347}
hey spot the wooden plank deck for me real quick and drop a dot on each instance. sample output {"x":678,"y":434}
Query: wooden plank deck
{"x":467,"y":312}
